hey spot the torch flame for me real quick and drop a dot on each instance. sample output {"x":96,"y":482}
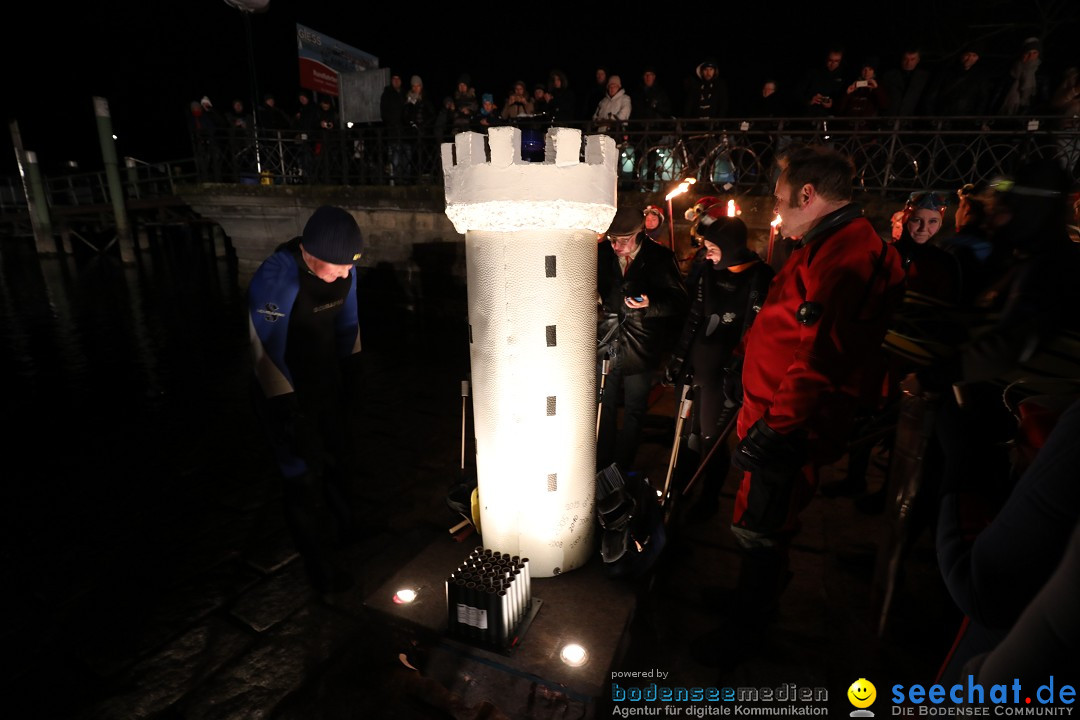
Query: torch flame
{"x":681,"y":188}
{"x":776,"y":220}
{"x":731,"y":208}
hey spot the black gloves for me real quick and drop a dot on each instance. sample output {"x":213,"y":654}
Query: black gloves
{"x":764,"y":448}
{"x":732,"y":386}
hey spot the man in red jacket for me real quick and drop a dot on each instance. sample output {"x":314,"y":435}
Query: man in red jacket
{"x":808,"y":365}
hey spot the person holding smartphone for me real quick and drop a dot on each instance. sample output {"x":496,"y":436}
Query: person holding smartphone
{"x":518,"y":102}
{"x":641,"y":305}
{"x":864,"y":97}
{"x":823,"y":85}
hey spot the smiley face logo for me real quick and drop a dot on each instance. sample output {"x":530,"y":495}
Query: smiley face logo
{"x":862,"y":693}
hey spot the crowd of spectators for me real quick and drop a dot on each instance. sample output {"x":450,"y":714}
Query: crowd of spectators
{"x":836,"y":85}
{"x":972,"y":351}
{"x":841,"y":85}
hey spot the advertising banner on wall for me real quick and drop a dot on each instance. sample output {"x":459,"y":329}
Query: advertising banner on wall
{"x":323,"y":59}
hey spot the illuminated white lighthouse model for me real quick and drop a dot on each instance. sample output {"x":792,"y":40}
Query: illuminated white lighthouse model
{"x":530,"y":252}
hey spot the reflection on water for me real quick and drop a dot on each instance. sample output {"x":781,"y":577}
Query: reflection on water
{"x":90,"y":341}
{"x":116,"y":379}
{"x":125,"y":390}
{"x":138,"y":493}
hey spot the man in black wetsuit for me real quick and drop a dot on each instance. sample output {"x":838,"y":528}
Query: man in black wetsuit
{"x":306,"y":341}
{"x":729,"y":292}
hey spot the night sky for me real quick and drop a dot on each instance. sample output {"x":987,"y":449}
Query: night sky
{"x":150,"y":59}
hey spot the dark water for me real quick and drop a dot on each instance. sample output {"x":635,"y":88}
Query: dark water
{"x":133,"y":474}
{"x":125,"y":386}
{"x":140,"y":506}
{"x":104,"y":342}
{"x":119,"y":383}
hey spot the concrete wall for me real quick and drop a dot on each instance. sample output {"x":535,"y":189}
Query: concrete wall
{"x":406,"y":229}
{"x":399,"y":224}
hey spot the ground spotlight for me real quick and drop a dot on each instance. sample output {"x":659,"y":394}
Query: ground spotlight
{"x":404,"y":596}
{"x":574,"y":655}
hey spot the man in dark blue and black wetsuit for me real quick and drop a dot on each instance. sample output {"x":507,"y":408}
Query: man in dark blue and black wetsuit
{"x":305,"y":337}
{"x":730,"y":290}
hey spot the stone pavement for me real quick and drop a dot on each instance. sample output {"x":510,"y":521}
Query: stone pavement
{"x":149,"y":573}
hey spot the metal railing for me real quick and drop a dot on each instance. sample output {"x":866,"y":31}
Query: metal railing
{"x":12,"y":195}
{"x":358,"y":156}
{"x":139,"y":179}
{"x":891,"y":156}
{"x":901,"y":154}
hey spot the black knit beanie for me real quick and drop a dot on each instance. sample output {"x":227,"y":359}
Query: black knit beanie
{"x":332,"y":235}
{"x":729,"y":234}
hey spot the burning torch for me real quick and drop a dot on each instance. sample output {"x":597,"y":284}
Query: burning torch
{"x":773,"y":232}
{"x":681,"y":188}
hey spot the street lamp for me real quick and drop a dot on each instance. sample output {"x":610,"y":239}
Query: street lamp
{"x":247,"y":8}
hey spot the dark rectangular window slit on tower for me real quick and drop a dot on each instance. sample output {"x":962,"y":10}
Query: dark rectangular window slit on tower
{"x":550,"y":335}
{"x":551,"y":405}
{"x":549,"y":265}
{"x":470,"y":333}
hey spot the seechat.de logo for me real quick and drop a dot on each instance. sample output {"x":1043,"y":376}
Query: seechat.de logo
{"x":862,"y":694}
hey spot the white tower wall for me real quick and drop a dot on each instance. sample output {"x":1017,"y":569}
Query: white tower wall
{"x":530,"y":236}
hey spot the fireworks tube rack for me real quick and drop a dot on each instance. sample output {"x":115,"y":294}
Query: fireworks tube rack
{"x":489,"y":601}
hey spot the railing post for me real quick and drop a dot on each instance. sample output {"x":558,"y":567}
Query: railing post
{"x":132,"y":176}
{"x":383,"y":159}
{"x":142,"y":238}
{"x":344,"y":154}
{"x":890,"y":156}
{"x":281,"y":156}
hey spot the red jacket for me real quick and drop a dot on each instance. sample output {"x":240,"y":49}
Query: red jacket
{"x":813,"y":375}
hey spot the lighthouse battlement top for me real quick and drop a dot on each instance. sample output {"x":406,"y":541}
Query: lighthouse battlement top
{"x":508,"y":193}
